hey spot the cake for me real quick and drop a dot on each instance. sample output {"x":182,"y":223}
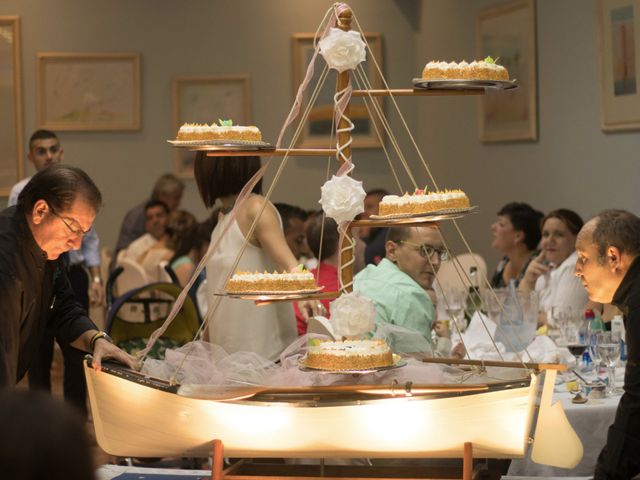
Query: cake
{"x":247,"y":282}
{"x":486,"y":69}
{"x":422,"y":202}
{"x":349,"y":355}
{"x":223,"y":132}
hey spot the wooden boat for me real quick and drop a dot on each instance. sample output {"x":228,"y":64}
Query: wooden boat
{"x":140,"y":416}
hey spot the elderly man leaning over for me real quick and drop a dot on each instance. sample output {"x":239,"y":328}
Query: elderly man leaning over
{"x":400,"y":283}
{"x":608,"y":247}
{"x":54,"y":211}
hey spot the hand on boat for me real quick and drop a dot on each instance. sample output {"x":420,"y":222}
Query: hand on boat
{"x":105,"y":350}
{"x":311,"y":308}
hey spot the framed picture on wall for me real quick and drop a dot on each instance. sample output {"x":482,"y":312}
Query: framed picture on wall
{"x":619,"y":52}
{"x":508,"y":34}
{"x":89,"y":91}
{"x":207,"y":99}
{"x":316,"y":132}
{"x":11,"y":139}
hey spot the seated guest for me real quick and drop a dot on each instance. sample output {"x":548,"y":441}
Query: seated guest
{"x":516,"y":234}
{"x":156,"y":214}
{"x":181,"y":239}
{"x":168,"y":189}
{"x":324,"y":246}
{"x":551,"y":273}
{"x":374,"y":238}
{"x":398,"y":284}
{"x":294,"y":225}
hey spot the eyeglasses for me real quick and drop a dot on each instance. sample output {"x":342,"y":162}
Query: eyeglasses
{"x":428,"y":251}
{"x":77,"y":231}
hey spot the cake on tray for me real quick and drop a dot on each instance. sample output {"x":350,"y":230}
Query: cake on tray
{"x":225,"y":131}
{"x":247,"y":282}
{"x":348,"y":355}
{"x":422,"y":201}
{"x":486,"y":69}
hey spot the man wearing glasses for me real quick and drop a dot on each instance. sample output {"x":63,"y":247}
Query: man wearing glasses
{"x":45,"y":150}
{"x":400,"y":283}
{"x":54,"y":211}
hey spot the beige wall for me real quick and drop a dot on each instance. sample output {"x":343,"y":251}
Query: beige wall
{"x":573,"y":164}
{"x":189,"y":37}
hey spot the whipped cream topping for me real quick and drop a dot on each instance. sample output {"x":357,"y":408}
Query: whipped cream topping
{"x":254,"y":277}
{"x":351,"y":348}
{"x":420,"y":198}
{"x":202,"y":128}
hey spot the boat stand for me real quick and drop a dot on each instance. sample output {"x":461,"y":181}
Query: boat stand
{"x":247,"y":470}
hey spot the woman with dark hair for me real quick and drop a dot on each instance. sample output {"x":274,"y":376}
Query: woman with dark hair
{"x":552,"y":272}
{"x":238,"y":325}
{"x":516,"y":234}
{"x":181,"y":239}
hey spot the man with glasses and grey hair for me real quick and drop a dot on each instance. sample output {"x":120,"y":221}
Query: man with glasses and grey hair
{"x":54,"y":212}
{"x":400,"y":284}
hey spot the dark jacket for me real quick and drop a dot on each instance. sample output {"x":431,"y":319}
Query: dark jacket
{"x":34,"y":295}
{"x":620,"y":457}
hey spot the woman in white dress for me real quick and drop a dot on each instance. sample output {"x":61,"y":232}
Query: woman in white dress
{"x":240,"y":325}
{"x":552,"y":272}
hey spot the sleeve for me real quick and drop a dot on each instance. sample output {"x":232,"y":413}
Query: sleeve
{"x":68,"y":319}
{"x":15,"y":192}
{"x":129,"y":230}
{"x":570,"y":291}
{"x":91,"y":248}
{"x":10,"y":298}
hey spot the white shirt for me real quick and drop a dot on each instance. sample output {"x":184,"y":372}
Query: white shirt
{"x":560,"y":287}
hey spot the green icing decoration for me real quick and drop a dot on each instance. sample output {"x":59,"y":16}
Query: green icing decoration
{"x":225,"y":123}
{"x":489,"y":60}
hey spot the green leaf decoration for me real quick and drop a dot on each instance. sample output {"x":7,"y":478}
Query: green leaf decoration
{"x":489,"y":60}
{"x":225,"y":123}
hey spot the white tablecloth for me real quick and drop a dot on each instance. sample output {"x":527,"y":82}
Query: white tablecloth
{"x":591,"y":422}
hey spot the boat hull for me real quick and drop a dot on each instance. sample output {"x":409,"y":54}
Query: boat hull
{"x":134,"y":419}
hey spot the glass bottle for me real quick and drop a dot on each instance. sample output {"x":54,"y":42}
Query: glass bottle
{"x":474,"y":300}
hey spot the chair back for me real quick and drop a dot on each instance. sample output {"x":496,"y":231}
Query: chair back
{"x":454,"y":272}
{"x":133,"y":276}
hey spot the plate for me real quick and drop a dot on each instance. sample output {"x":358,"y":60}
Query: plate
{"x":221,"y":145}
{"x":445,"y":214}
{"x":271,"y":295}
{"x":398,"y":362}
{"x":464,"y":84}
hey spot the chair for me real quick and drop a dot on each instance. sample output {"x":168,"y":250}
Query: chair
{"x":451,"y":271}
{"x":131,"y":277}
{"x":135,"y":315}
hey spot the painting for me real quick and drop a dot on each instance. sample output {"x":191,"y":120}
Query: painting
{"x":507,"y":33}
{"x":619,"y":52}
{"x":207,"y":99}
{"x":89,"y":91}
{"x":11,"y":140}
{"x":316,"y":132}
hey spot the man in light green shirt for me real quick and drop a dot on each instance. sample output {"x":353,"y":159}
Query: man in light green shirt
{"x":398,"y":285}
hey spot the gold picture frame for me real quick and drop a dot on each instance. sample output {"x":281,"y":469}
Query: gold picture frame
{"x":88,"y":91}
{"x":619,"y":60}
{"x":206,"y":99}
{"x":11,"y":134}
{"x":316,"y":132}
{"x":508,"y":32}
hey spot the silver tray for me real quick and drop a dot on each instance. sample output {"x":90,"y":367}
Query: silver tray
{"x":221,"y":145}
{"x":446,"y":214}
{"x":271,"y":295}
{"x":398,"y":362}
{"x":464,"y":84}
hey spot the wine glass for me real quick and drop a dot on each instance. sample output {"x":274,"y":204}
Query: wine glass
{"x":608,"y":346}
{"x":493,"y":304}
{"x":561,"y":316}
{"x":577,"y":338}
{"x":454,"y":303}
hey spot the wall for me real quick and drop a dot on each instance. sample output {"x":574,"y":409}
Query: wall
{"x":573,"y":164}
{"x":190,"y":37}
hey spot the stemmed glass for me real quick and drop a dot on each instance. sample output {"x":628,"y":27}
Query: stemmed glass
{"x":561,"y":316}
{"x":454,"y":303}
{"x":577,"y":338}
{"x":608,"y":347}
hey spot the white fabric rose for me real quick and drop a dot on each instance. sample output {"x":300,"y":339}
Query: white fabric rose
{"x":343,"y":50}
{"x":342,"y":198}
{"x":352,"y":314}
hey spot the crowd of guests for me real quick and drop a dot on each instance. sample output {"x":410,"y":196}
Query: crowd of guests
{"x":565,"y":261}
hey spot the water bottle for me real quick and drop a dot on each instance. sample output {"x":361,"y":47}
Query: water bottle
{"x":473,"y":301}
{"x":617,"y":330}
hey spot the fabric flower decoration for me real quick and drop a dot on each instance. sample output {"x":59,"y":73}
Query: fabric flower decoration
{"x":343,"y":50}
{"x":342,"y":198}
{"x":352,"y":315}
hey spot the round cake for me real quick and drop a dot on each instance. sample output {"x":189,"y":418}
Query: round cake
{"x":197,"y":131}
{"x":485,"y":69}
{"x":247,"y":282}
{"x":349,"y":355}
{"x":423,"y":202}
